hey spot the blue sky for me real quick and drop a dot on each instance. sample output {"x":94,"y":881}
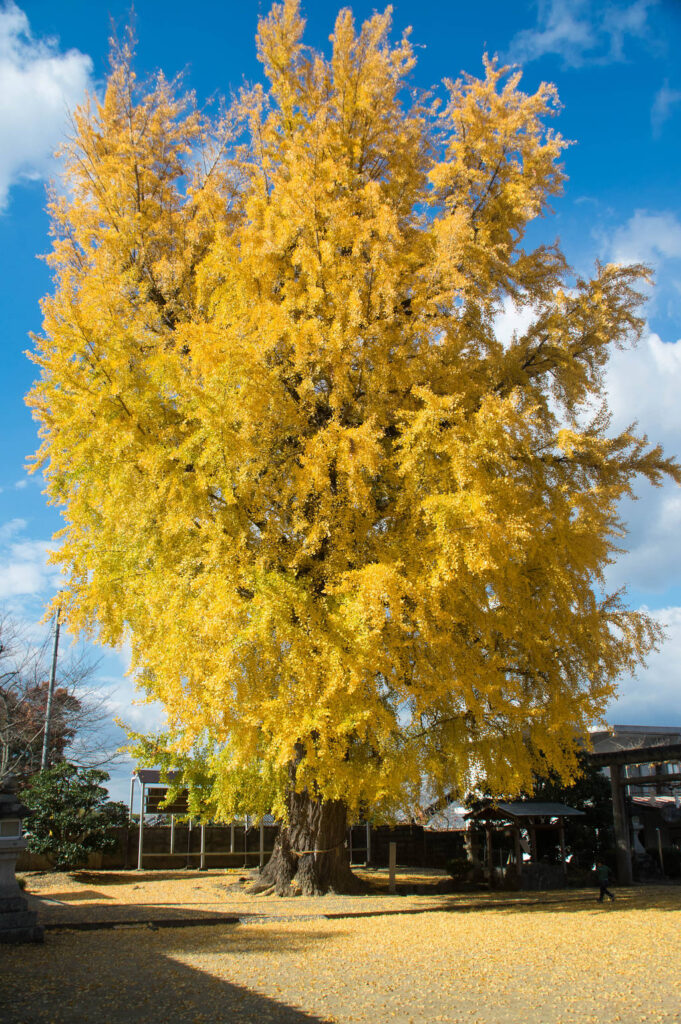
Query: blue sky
{"x":616,"y":68}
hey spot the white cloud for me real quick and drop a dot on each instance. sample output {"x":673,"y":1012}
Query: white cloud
{"x":647,"y":238}
{"x":512,"y":320}
{"x":8,"y":529}
{"x":581,"y":31}
{"x":653,"y":238}
{"x":644,"y":385}
{"x":652,"y":695}
{"x":23,"y":565}
{"x":665,"y":101}
{"x":128,"y":704}
{"x":620,"y":21}
{"x":38,"y":85}
{"x":562,"y":28}
{"x":652,"y":561}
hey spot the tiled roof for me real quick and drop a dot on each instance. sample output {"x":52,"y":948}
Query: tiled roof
{"x":526,"y":809}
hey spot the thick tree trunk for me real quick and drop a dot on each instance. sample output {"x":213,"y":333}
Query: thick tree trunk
{"x":309,"y":854}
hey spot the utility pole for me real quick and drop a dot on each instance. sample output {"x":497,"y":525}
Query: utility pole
{"x":50,"y":692}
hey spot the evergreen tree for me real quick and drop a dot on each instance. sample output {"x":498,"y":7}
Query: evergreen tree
{"x":71,"y":815}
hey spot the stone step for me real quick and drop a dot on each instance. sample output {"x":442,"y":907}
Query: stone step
{"x":34,"y":933}
{"x":10,"y":904}
{"x":18,"y":919}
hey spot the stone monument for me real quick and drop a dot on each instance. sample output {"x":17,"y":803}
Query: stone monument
{"x":17,"y":922}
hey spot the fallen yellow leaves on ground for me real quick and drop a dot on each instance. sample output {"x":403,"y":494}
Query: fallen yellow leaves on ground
{"x":565,"y":962}
{"x":97,"y":895}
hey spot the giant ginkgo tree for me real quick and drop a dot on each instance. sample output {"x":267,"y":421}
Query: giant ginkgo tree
{"x":355,"y":538}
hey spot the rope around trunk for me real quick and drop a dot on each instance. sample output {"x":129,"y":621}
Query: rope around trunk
{"x":302,"y":853}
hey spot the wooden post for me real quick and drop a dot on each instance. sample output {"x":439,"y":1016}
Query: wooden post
{"x":561,"y":836}
{"x":368,"y":844}
{"x":621,"y":823}
{"x":262,"y":843}
{"x":518,"y":853}
{"x":140,"y":847}
{"x":246,"y":841}
{"x":172,"y":833}
{"x":202,"y":858}
{"x":471,"y":842}
{"x":392,"y":863}
{"x":490,"y":854}
{"x":659,"y":848}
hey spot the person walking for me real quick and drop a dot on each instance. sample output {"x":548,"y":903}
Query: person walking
{"x":603,"y":875}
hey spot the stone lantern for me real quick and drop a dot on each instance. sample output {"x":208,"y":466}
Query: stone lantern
{"x":17,"y":922}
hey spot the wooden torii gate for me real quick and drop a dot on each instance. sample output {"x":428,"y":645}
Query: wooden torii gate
{"x":615,"y":760}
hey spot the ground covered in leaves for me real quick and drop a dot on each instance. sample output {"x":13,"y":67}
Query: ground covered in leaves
{"x":471,"y":958}
{"x":89,"y":896}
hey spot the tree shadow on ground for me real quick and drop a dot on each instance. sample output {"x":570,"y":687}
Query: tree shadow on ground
{"x":64,"y":910}
{"x":625,"y":900}
{"x":132,"y":975}
{"x":78,"y":895}
{"x":542,"y":902}
{"x":134,"y":877}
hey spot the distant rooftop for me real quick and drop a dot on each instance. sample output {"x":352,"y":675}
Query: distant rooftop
{"x":152,"y":776}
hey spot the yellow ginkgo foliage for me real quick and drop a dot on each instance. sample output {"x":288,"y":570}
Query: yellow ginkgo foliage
{"x":355,"y":539}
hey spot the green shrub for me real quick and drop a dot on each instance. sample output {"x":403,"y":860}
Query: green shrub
{"x":458,"y":868}
{"x":71,"y":814}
